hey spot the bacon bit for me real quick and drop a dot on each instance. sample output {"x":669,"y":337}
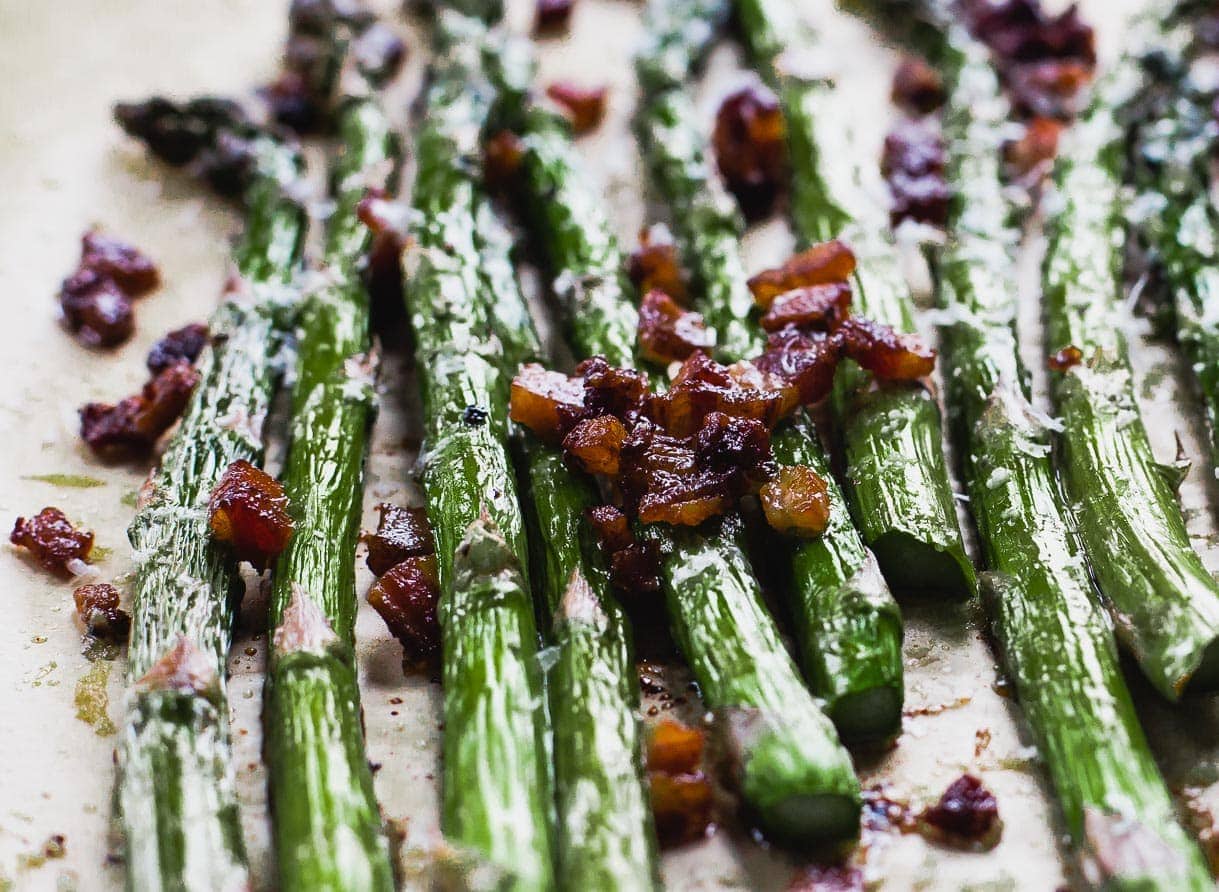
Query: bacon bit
{"x":917,"y":87}
{"x":796,"y":502}
{"x":584,"y":106}
{"x":726,"y":444}
{"x":607,"y":390}
{"x":134,"y":424}
{"x":388,"y":220}
{"x":636,"y":569}
{"x":923,"y":199}
{"x":551,"y":16}
{"x":654,"y":264}
{"x":248,"y":510}
{"x":401,"y":533}
{"x":751,"y":148}
{"x":1068,"y":357}
{"x":595,"y":445}
{"x":612,"y":528}
{"x":99,"y":611}
{"x":804,"y":361}
{"x":503,"y":155}
{"x":1053,"y":88}
{"x":1030,"y":156}
{"x":95,"y":309}
{"x":832,"y":878}
{"x":822,"y":264}
{"x":406,"y":598}
{"x":180,"y":345}
{"x":822,"y":307}
{"x":914,"y":148}
{"x":674,"y":748}
{"x":888,"y":354}
{"x":545,"y":401}
{"x":682,"y":797}
{"x":129,"y":268}
{"x":667,"y":333}
{"x":663,"y":480}
{"x":967,"y":814}
{"x":52,"y":540}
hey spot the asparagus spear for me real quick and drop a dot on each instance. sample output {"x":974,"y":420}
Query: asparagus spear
{"x":791,"y":770}
{"x":605,"y":838}
{"x":1055,"y":640}
{"x":848,"y":626}
{"x":1172,"y":148}
{"x":1165,"y":604}
{"x":327,"y":824}
{"x":176,"y":800}
{"x":496,"y":796}
{"x":896,"y":475}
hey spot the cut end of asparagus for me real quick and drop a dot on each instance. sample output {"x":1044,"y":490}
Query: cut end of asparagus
{"x":872,"y":716}
{"x":184,"y":669}
{"x":1122,"y":852}
{"x":913,"y":566}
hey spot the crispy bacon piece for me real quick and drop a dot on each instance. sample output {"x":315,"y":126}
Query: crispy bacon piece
{"x":682,"y":796}
{"x":822,"y":264}
{"x":95,"y":309}
{"x":703,"y":386}
{"x":613,"y":391}
{"x":636,"y":569}
{"x":662,"y":480}
{"x":133,"y":425}
{"x":595,"y":445}
{"x":1051,"y":88}
{"x":917,"y":87}
{"x":503,"y":154}
{"x":667,"y":333}
{"x":99,"y":612}
{"x":822,"y":307}
{"x":52,"y":540}
{"x":612,"y":527}
{"x":248,"y":511}
{"x":796,"y":501}
{"x":827,"y":878}
{"x":674,"y":747}
{"x":584,"y":106}
{"x":406,"y":599}
{"x":924,"y":199}
{"x":552,"y":16}
{"x":1030,"y":156}
{"x":180,"y":345}
{"x":967,"y":814}
{"x":887,"y":354}
{"x":751,"y":148}
{"x":914,"y":148}
{"x":401,"y":533}
{"x":734,"y":446}
{"x":654,"y":263}
{"x":545,"y":401}
{"x":805,"y":361}
{"x":1065,"y":358}
{"x":125,"y":265}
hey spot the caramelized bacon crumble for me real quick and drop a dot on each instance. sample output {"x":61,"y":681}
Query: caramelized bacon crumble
{"x":99,"y":612}
{"x":654,"y":264}
{"x":682,"y":796}
{"x":888,"y":354}
{"x":406,"y":597}
{"x":821,"y":307}
{"x":967,"y":814}
{"x":52,"y":540}
{"x":827,"y":878}
{"x":751,"y":148}
{"x":248,"y":511}
{"x":503,"y":155}
{"x":668,"y":333}
{"x":401,"y":533}
{"x":822,"y":264}
{"x":552,"y":16}
{"x":133,"y":425}
{"x":1031,"y":156}
{"x":584,"y":106}
{"x":96,"y":299}
{"x":594,"y":445}
{"x":180,"y":345}
{"x":634,"y":566}
{"x":1068,"y":357}
{"x":796,"y":501}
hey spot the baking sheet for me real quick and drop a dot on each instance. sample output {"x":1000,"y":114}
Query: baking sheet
{"x":65,"y":167}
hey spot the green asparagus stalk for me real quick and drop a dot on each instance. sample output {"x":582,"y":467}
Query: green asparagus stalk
{"x":326,"y":822}
{"x":792,"y":772}
{"x":896,"y":475}
{"x":176,"y":800}
{"x":496,"y":797}
{"x":605,"y":838}
{"x":848,"y":627}
{"x":1165,"y":603}
{"x":1054,"y":638}
{"x":1173,"y":144}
